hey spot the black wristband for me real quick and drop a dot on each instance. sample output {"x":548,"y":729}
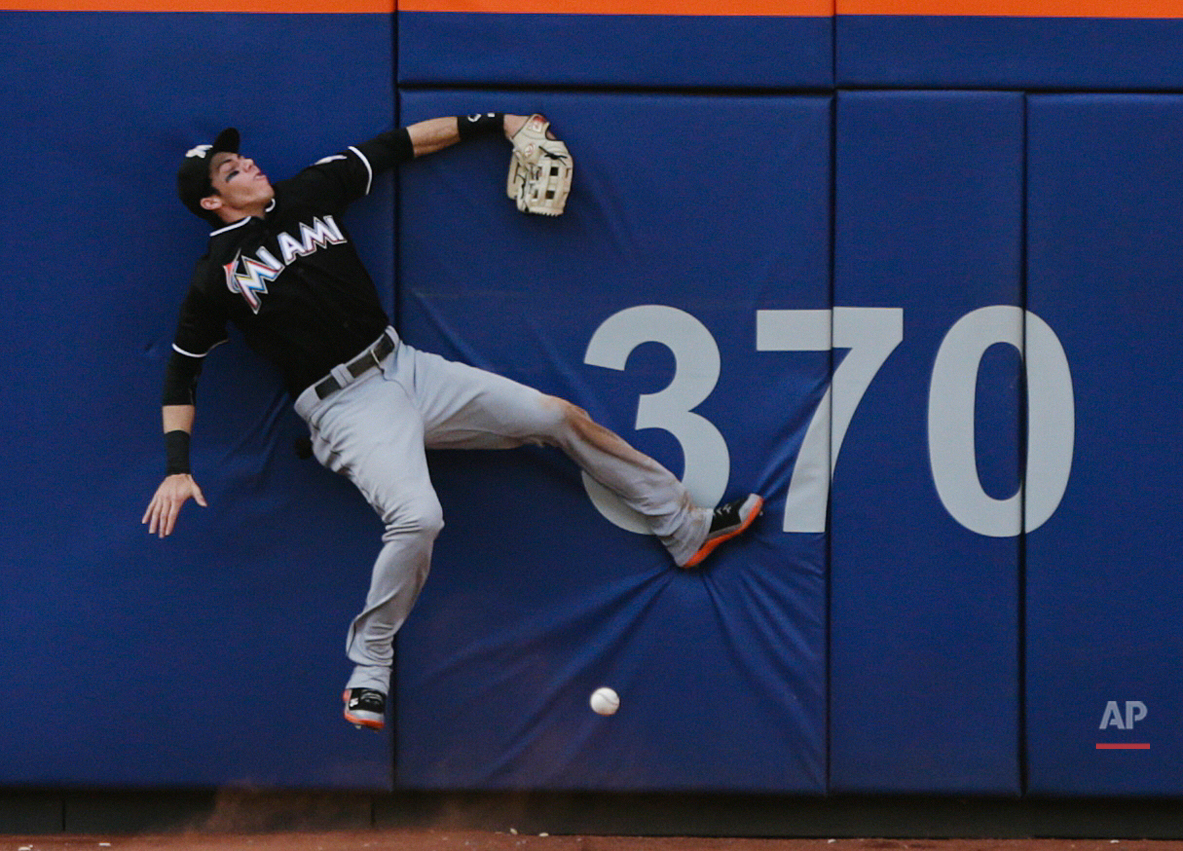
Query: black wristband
{"x":176,"y":451}
{"x":480,"y":124}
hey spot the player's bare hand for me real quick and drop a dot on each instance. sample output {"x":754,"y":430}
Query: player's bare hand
{"x":166,"y":503}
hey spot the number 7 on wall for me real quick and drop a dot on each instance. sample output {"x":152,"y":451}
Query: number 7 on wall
{"x":871,"y":334}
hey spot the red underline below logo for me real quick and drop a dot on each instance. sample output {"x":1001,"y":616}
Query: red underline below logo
{"x":1141,"y":746}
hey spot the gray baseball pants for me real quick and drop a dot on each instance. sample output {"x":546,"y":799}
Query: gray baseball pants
{"x":375,"y":430}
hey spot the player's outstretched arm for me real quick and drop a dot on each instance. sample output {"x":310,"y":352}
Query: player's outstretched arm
{"x":178,"y":487}
{"x":435,"y":134}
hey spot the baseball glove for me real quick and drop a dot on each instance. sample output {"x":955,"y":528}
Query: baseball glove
{"x":540,"y":171}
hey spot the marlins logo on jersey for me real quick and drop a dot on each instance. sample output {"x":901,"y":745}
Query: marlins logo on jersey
{"x":249,"y":276}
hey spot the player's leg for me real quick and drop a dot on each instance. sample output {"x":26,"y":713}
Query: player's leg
{"x":371,"y":432}
{"x":468,"y":408}
{"x":615,"y":464}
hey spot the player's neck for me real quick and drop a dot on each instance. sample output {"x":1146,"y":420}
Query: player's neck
{"x":237,"y":214}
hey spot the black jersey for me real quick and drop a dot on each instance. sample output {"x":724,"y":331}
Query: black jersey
{"x":292,"y":280}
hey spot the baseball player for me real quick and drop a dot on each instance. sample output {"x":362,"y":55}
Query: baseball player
{"x":282,"y":267}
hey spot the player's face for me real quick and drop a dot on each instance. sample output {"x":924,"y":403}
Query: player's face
{"x":240,"y":186}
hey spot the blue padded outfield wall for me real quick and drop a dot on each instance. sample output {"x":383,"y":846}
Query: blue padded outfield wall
{"x":215,"y":656}
{"x":908,"y":272}
{"x":658,"y":299}
{"x":927,"y":234}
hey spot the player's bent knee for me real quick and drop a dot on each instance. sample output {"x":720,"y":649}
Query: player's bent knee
{"x":568,"y":414}
{"x":579,"y":421}
{"x":423,"y":519}
{"x":557,"y":418}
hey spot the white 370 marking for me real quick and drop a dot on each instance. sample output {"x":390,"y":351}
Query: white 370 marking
{"x":871,"y":334}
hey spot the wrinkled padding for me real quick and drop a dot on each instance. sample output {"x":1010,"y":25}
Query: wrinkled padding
{"x":535,"y":599}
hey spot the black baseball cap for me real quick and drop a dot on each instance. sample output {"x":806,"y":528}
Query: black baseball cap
{"x":193,"y":181}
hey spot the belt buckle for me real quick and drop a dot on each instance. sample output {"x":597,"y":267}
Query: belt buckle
{"x":373,"y":353}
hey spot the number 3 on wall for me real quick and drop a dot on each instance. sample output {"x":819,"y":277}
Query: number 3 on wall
{"x":696,"y":370}
{"x":871,"y":334}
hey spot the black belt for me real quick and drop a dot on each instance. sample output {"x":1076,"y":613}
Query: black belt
{"x":357,"y":367}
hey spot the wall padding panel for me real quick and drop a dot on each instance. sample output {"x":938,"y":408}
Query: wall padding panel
{"x":614,"y":51}
{"x":216,"y":656}
{"x":981,"y":51}
{"x":535,"y":599}
{"x":924,"y":613}
{"x":1103,"y":647}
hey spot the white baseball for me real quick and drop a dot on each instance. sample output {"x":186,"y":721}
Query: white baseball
{"x":604,"y":701}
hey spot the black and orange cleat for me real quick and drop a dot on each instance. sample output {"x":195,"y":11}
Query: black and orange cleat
{"x":728,"y":521}
{"x":365,"y":707}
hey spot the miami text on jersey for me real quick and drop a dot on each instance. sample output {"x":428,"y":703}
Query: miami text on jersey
{"x":249,"y":276}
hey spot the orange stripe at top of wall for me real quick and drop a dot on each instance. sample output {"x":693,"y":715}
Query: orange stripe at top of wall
{"x":816,"y":8}
{"x":244,"y":6}
{"x":1017,"y":8}
{"x":774,"y":8}
{"x":1131,"y":9}
{"x":731,"y":8}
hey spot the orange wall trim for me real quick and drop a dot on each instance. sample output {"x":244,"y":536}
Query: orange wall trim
{"x":817,"y":8}
{"x":734,"y":8}
{"x":245,"y":6}
{"x":1018,"y":8}
{"x":1164,"y":9}
{"x":806,"y":8}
